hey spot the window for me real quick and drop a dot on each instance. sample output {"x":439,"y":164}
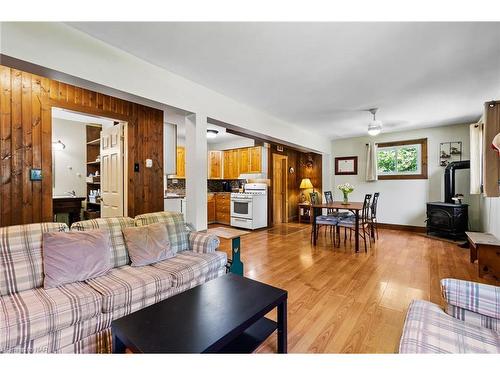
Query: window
{"x":402,"y":160}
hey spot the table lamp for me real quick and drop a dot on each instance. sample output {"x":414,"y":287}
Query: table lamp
{"x":305,"y":184}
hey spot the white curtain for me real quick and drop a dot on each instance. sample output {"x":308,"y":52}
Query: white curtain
{"x":476,"y":154}
{"x":371,"y":162}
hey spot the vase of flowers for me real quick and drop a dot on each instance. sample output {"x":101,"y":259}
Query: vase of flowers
{"x":346,"y":189}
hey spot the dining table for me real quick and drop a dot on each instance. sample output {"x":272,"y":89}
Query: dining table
{"x":354,"y":207}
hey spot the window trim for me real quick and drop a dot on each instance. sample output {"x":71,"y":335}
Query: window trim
{"x":423,"y":162}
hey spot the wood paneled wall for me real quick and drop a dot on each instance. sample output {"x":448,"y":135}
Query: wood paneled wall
{"x":26,"y":102}
{"x":297,"y":160}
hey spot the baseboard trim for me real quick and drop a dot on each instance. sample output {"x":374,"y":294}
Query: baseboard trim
{"x":408,"y":228}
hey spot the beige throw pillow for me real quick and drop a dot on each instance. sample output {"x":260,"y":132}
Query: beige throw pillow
{"x":148,"y":244}
{"x":75,"y":256}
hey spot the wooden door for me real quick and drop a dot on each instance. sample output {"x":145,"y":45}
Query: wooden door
{"x":235,"y":167}
{"x":181,"y":162}
{"x":280,"y":202}
{"x":244,"y":160}
{"x":255,"y":159}
{"x":112,"y":172}
{"x":214,"y":164}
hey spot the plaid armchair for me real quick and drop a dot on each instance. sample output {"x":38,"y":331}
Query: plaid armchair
{"x":470,"y":324}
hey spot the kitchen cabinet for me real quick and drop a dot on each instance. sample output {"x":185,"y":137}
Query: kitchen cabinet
{"x":181,"y":162}
{"x":215,"y":164}
{"x":244,"y":160}
{"x":231,"y":164}
{"x":255,"y":163}
{"x":211,"y":208}
{"x":223,"y":208}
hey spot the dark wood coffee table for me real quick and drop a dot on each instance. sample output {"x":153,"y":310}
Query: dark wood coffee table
{"x":225,"y":315}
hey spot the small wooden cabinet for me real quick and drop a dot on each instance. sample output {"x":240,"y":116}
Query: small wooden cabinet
{"x":255,"y":162}
{"x":215,"y":164}
{"x":231,"y":164}
{"x":244,"y":160}
{"x":223,"y":208}
{"x":211,"y":208}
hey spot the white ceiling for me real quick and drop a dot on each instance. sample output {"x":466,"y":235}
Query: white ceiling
{"x":320,"y":75}
{"x":221,"y":137}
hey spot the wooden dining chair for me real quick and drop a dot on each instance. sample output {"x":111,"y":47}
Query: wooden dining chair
{"x":364,"y":223}
{"x":373,"y":216}
{"x":326,"y":221}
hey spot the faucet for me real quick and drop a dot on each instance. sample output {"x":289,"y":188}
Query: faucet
{"x":72,"y":193}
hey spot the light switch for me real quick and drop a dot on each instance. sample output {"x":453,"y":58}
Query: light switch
{"x":149,"y":163}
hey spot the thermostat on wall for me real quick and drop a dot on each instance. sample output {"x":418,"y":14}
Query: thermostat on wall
{"x":35,"y":174}
{"x":149,"y":163}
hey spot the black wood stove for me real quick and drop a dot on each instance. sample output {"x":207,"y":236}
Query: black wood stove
{"x":449,"y":218}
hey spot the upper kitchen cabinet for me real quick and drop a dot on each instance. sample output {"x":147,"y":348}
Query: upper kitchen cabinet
{"x":244,"y":160}
{"x":181,"y":162}
{"x":250,"y":160}
{"x":255,"y":164}
{"x":231,"y":164}
{"x":215,"y":164}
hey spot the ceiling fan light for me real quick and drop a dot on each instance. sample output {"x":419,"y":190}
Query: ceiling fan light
{"x":374,"y":128}
{"x":212,"y":133}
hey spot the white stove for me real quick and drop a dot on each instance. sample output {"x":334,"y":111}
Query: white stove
{"x":249,"y":209}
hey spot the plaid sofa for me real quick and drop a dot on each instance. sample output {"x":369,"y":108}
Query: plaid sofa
{"x":469,"y":324}
{"x":76,"y":318}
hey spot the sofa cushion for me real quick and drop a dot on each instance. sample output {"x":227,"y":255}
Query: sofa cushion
{"x":21,"y":256}
{"x":189,"y":265}
{"x":147,"y":244}
{"x":33,"y":313}
{"x":428,"y":329}
{"x":119,"y":255}
{"x":176,"y":227}
{"x":127,"y":285}
{"x":73,"y":256}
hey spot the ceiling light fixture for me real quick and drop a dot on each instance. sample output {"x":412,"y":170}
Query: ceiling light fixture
{"x":212,"y":133}
{"x":375,"y":126}
{"x":58,"y":145}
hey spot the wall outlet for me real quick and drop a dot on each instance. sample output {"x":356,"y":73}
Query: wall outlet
{"x":136,"y":167}
{"x":149,"y":163}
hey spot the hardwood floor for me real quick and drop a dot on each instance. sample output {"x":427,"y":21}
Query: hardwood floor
{"x":342,"y":302}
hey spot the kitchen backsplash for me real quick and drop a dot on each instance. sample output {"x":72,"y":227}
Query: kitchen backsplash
{"x":212,"y":185}
{"x":216,"y":185}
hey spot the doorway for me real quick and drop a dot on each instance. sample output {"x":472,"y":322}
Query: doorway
{"x":88,"y":174}
{"x":280,"y":191}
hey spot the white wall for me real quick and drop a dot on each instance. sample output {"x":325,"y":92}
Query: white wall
{"x":404,"y":201}
{"x":70,"y":163}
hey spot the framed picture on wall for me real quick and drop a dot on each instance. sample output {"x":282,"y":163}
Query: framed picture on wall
{"x":347,"y":165}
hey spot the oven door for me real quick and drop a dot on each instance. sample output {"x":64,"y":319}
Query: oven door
{"x":241,"y":207}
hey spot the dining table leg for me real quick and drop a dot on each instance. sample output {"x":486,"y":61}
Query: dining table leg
{"x":356,"y":231}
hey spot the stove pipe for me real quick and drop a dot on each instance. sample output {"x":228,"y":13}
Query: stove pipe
{"x":449,"y":178}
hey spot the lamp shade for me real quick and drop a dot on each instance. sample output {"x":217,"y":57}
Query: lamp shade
{"x":306,"y":184}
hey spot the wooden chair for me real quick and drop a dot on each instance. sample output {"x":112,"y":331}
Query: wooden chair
{"x":327,"y":221}
{"x":331,"y":211}
{"x":350,"y":223}
{"x":373,"y":217}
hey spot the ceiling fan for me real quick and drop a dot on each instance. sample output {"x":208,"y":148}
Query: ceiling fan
{"x":374,"y":126}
